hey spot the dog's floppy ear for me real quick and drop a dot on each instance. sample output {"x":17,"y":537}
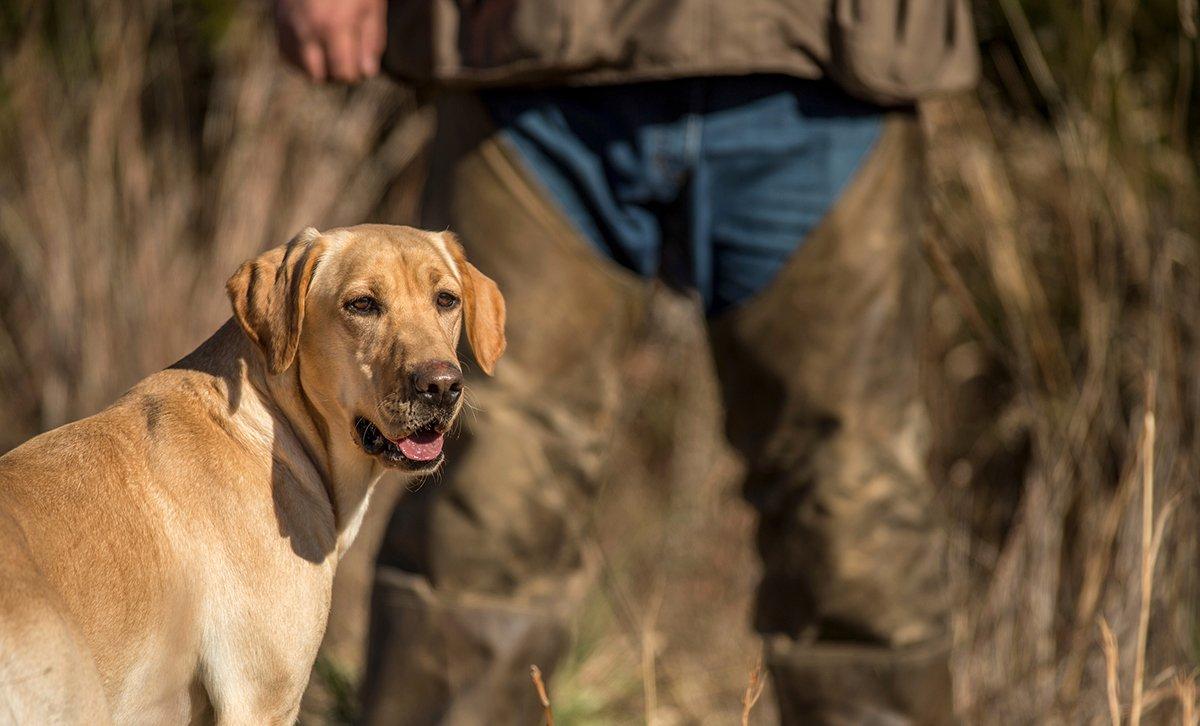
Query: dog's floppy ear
{"x":268,"y":294}
{"x":483,"y":309}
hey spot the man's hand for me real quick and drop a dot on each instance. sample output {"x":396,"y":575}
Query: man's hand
{"x":340,"y":40}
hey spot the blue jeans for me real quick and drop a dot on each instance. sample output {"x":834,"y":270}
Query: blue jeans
{"x":709,"y":183}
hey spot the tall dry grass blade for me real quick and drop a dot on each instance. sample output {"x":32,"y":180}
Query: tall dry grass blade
{"x":1092,"y":584}
{"x":1031,"y":51}
{"x":754,"y":689}
{"x":1108,"y":641}
{"x":1143,"y":627}
{"x":1185,"y":694}
{"x":649,"y":640}
{"x":535,"y":674}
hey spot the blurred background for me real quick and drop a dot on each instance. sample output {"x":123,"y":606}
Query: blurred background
{"x":147,"y":147}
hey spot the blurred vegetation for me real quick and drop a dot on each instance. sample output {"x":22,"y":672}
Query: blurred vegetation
{"x":147,"y":147}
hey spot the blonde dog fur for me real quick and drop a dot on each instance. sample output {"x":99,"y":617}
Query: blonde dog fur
{"x":170,"y":559}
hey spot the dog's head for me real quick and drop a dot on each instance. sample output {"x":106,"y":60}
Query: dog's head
{"x":369,"y":317}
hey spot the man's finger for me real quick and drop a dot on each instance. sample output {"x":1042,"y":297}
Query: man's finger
{"x":373,"y":38}
{"x":313,"y":60}
{"x":342,"y":55}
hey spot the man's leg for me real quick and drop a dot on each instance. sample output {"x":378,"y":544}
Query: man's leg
{"x":819,"y":373}
{"x":480,"y":571}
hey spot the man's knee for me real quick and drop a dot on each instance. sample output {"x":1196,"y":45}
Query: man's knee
{"x":854,"y":545}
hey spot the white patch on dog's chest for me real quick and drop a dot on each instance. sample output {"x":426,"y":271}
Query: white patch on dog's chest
{"x":261,"y":639}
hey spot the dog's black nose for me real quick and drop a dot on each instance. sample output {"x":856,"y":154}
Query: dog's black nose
{"x":437,"y":382}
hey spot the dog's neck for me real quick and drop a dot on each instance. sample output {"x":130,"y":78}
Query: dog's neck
{"x":326,"y":466}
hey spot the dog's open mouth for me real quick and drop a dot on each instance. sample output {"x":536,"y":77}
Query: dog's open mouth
{"x":421,"y":450}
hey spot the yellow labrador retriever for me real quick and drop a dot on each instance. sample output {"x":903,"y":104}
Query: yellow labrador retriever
{"x":170,"y":558}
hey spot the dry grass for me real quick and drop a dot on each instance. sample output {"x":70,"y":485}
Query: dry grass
{"x":754,"y":691}
{"x":535,"y":674}
{"x":147,"y":147}
{"x":1075,"y":242}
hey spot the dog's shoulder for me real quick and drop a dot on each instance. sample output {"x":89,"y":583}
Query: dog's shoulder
{"x":175,"y":402}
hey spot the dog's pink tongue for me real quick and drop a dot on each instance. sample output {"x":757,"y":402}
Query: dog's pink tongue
{"x":421,"y":446}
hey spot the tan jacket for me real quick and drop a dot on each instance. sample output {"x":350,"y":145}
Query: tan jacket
{"x":881,"y":50}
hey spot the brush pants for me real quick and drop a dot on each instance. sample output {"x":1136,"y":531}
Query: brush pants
{"x":794,"y":211}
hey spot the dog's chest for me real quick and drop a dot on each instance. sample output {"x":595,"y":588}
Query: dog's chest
{"x":261,"y":639}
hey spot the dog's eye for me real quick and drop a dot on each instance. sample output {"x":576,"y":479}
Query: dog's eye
{"x":363,"y":305}
{"x":447,"y":300}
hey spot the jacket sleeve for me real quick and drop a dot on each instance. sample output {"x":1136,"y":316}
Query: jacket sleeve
{"x":896,"y":51}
